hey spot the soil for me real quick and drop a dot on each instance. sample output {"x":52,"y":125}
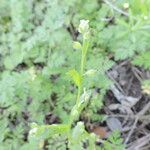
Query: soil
{"x":135,"y":121}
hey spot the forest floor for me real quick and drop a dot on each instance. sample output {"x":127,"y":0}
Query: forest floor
{"x":127,"y":106}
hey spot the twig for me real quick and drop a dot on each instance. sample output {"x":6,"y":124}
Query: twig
{"x":131,"y":131}
{"x":135,"y":72}
{"x":140,"y":142}
{"x":115,"y":8}
{"x":146,"y":117}
{"x":109,"y":74}
{"x":142,"y":112}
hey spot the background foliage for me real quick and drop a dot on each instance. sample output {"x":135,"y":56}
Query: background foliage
{"x":36,"y":52}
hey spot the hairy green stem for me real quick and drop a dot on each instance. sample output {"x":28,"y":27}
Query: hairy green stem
{"x":83,"y":61}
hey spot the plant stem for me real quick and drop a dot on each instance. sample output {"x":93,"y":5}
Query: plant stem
{"x":79,"y":93}
{"x":83,"y":60}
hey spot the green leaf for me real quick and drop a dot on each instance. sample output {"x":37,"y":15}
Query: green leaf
{"x":75,"y":76}
{"x":13,"y":60}
{"x":77,"y":45}
{"x":47,"y":131}
{"x":146,"y":86}
{"x":143,"y":60}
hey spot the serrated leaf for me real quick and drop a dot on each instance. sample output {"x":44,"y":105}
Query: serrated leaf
{"x":143,"y":60}
{"x":13,"y":60}
{"x":75,"y":76}
{"x":47,"y":131}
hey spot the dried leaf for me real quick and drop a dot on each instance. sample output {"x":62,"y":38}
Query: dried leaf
{"x":114,"y":124}
{"x":100,"y":131}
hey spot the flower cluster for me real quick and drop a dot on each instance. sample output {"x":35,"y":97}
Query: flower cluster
{"x":84,"y":28}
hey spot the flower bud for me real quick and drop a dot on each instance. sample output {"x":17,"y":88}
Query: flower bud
{"x":126,"y":5}
{"x":74,"y":113}
{"x":33,"y":131}
{"x":90,"y":72}
{"x":145,"y":17}
{"x":84,"y":26}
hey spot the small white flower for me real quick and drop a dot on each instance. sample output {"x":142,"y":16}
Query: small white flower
{"x":33,"y":131}
{"x":145,"y":17}
{"x":84,"y":26}
{"x":126,"y":5}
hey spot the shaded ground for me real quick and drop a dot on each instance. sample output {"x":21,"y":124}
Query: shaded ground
{"x":127,"y":107}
